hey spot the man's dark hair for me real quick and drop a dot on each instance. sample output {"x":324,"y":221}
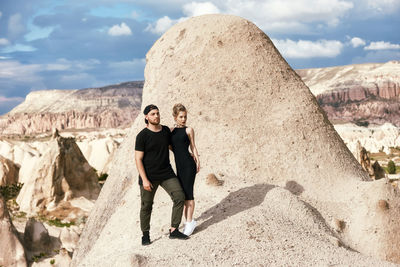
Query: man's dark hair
{"x":147,"y":109}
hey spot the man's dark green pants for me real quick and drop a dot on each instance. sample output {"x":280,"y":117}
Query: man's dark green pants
{"x":174,"y":190}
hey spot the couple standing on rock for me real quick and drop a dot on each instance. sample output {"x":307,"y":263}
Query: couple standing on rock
{"x":152,"y":161}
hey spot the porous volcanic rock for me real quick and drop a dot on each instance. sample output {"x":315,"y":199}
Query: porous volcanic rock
{"x":374,"y":170}
{"x":257,"y":123}
{"x":12,"y":252}
{"x":61,"y":176}
{"x":105,"y":107}
{"x":37,"y":238}
{"x":359,"y":93}
{"x":8,"y":172}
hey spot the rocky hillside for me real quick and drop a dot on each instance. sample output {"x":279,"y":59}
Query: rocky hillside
{"x":106,"y":107}
{"x":362,"y":94}
{"x":319,"y":211}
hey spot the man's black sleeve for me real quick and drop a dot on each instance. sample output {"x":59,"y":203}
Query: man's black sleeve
{"x":140,"y":142}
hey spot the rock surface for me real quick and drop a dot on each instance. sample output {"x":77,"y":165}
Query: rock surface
{"x":12,"y":252}
{"x":8,"y":172}
{"x":373,"y":138}
{"x":98,"y":147}
{"x":105,"y":107}
{"x":61,"y":176}
{"x":252,"y":115}
{"x":374,"y":170}
{"x":60,"y":260}
{"x":360,"y":93}
{"x":37,"y":239}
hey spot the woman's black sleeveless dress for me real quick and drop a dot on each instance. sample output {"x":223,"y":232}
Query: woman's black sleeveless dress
{"x":185,"y":164}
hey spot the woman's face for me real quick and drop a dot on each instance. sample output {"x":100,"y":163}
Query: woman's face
{"x":181,"y":118}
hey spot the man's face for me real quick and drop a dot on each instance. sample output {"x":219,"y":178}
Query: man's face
{"x":153,"y":117}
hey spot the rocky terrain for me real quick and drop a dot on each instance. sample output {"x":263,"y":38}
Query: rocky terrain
{"x":293,"y":194}
{"x":56,"y":191}
{"x":60,"y":174}
{"x":362,"y":94}
{"x":114,"y":106}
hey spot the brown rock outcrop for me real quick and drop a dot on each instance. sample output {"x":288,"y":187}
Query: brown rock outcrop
{"x":8,"y":172}
{"x":105,"y":107}
{"x":12,"y":252}
{"x":252,"y":115}
{"x":61,"y":175}
{"x":375,"y":171}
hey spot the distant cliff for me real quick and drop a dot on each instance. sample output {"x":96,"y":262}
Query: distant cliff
{"x":114,"y":106}
{"x":362,"y":94}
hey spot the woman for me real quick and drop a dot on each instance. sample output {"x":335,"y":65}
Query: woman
{"x":187,"y":165}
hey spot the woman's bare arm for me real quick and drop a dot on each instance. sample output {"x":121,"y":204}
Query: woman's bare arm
{"x":190,"y":133}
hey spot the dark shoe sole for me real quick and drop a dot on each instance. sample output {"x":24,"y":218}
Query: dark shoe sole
{"x":176,"y":237}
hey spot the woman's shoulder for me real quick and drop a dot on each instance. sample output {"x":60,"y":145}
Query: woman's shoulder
{"x":189,"y":130}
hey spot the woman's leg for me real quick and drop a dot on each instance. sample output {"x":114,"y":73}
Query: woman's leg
{"x":189,"y":210}
{"x":185,"y":211}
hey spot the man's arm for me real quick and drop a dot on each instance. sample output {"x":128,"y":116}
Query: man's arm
{"x":140,"y":167}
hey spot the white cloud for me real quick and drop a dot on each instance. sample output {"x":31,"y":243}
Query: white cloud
{"x":135,"y":15}
{"x":22,"y":72}
{"x":4,"y":99}
{"x":161,"y":25}
{"x":1,"y":14}
{"x":382,"y":45}
{"x":377,"y":56}
{"x":4,"y":41}
{"x":308,"y":49}
{"x":118,"y":30}
{"x":356,"y":42}
{"x":381,"y":6}
{"x":128,"y":64}
{"x":15,"y":26}
{"x":270,"y":15}
{"x":64,"y":64}
{"x":273,"y":15}
{"x":190,"y":10}
{"x":18,"y":47}
{"x":197,"y":9}
{"x":79,"y":77}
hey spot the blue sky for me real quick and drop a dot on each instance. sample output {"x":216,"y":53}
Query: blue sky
{"x":59,"y":44}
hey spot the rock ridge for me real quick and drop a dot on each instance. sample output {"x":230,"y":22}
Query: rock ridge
{"x":113,"y":106}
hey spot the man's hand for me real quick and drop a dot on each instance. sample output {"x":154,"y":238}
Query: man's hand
{"x":147,"y":185}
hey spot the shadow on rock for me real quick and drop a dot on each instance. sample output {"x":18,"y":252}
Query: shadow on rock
{"x":234,"y":203}
{"x":294,"y":188}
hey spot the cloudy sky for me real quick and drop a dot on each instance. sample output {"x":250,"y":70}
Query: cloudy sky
{"x":60,"y":44}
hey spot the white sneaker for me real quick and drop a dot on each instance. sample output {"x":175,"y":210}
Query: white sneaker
{"x":189,"y":227}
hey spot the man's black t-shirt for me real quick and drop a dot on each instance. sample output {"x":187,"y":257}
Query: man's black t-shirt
{"x":156,"y":153}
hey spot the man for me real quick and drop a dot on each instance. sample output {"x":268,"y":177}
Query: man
{"x":153,"y":165}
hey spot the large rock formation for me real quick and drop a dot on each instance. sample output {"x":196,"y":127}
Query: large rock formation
{"x":362,"y":93}
{"x":258,"y":124}
{"x":105,"y":107}
{"x":61,"y":179}
{"x":8,"y":172}
{"x":12,"y":252}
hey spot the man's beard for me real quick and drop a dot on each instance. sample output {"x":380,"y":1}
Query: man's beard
{"x":154,"y":123}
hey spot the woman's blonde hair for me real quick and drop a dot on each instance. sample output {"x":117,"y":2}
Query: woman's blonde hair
{"x":177,"y":108}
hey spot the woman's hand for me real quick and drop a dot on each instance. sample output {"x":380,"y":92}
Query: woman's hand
{"x":197,"y":166}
